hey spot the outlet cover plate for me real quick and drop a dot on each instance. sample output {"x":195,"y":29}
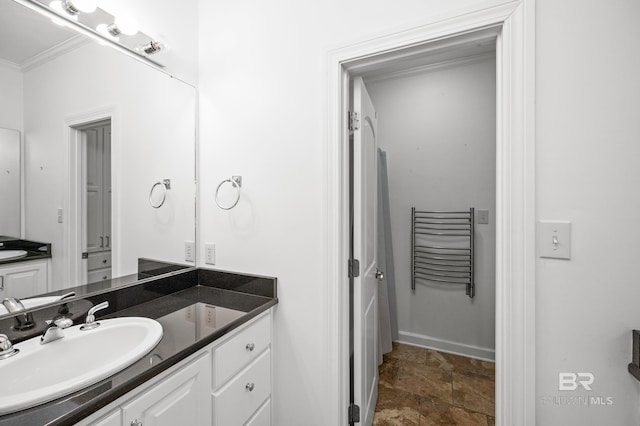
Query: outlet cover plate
{"x":189,"y":251}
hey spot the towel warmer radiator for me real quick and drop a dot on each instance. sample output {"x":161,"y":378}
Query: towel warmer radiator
{"x":442,"y":247}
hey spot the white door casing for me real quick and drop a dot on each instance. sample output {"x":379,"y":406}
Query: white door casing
{"x":365,"y":211}
{"x":515,"y":196}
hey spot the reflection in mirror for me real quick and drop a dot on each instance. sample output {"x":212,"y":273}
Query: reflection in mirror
{"x":9,"y":182}
{"x":95,"y":130}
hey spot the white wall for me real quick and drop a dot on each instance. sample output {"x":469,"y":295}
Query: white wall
{"x":588,"y":157}
{"x":438,"y":128}
{"x":11,"y":108}
{"x":263,"y":116}
{"x":11,"y":102}
{"x":153,"y":139}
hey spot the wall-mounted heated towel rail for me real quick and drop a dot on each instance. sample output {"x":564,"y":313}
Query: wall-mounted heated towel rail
{"x":442,"y":248}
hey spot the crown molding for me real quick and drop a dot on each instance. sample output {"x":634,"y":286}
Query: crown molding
{"x":53,"y":52}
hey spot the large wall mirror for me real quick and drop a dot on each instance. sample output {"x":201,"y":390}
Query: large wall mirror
{"x":97,"y":151}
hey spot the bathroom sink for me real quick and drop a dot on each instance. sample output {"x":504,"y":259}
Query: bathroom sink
{"x":42,"y":373}
{"x":12,"y":254}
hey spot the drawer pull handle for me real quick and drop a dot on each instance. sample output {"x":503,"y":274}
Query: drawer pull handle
{"x":250,"y":386}
{"x":136,"y":422}
{"x":250,"y":347}
{"x":104,"y":260}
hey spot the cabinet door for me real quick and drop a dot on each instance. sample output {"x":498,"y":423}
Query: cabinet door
{"x":180,"y":399}
{"x":23,"y":280}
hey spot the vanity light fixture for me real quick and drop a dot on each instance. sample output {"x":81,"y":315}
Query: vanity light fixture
{"x":119,"y":31}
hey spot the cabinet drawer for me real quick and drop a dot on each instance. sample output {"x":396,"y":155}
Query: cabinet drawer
{"x":240,"y":350}
{"x":240,"y":398}
{"x":112,"y":419}
{"x":262,"y":417}
{"x":98,"y":275}
{"x":99,"y":260}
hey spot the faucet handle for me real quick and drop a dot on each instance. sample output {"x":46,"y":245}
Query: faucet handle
{"x":90,"y":322}
{"x":6,"y":347}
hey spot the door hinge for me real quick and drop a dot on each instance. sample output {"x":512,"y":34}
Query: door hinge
{"x":354,"y":268}
{"x":85,"y":255}
{"x":354,"y":121}
{"x":354,"y":414}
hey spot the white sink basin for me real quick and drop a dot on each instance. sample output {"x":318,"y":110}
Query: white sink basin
{"x":12,"y":254}
{"x":32,"y":302}
{"x":41,"y":373}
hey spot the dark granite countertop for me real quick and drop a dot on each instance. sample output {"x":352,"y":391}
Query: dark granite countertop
{"x":34,"y":249}
{"x":238,"y":297}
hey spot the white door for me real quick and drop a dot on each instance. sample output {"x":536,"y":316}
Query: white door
{"x":365,"y":208}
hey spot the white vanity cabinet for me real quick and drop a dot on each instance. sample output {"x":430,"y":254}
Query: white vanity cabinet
{"x":227,"y":383}
{"x":24,"y":279}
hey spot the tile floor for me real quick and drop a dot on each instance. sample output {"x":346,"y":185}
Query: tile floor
{"x":425,"y":387}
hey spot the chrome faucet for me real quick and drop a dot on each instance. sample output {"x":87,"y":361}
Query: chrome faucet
{"x":22,"y":321}
{"x":90,"y":323}
{"x":51,"y":333}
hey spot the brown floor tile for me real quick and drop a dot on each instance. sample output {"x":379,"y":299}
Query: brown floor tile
{"x":388,"y":373}
{"x":407,"y":353}
{"x":396,"y":408}
{"x":437,"y":413}
{"x":425,"y":387}
{"x":463,"y":364}
{"x":474,"y":392}
{"x":437,"y":359}
{"x":424,"y":381}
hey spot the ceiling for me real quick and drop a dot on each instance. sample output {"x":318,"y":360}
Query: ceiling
{"x":25,"y":34}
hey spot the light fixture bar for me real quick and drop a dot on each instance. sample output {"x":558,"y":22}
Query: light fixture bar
{"x":71,"y":11}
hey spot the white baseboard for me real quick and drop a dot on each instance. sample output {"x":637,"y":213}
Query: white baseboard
{"x":441,"y":345}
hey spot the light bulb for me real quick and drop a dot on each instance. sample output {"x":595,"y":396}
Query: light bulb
{"x":104,"y":30}
{"x":126,"y":25}
{"x":86,"y":6}
{"x":59,"y":8}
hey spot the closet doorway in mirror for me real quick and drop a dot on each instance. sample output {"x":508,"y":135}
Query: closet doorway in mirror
{"x":96,"y":202}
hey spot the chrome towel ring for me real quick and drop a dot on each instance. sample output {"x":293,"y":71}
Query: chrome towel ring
{"x":236,"y":182}
{"x":165,"y":184}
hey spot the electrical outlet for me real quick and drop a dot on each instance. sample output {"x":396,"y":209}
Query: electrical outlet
{"x":210,"y":313}
{"x":210,"y":253}
{"x":189,"y":251}
{"x":483,"y":217}
{"x":189,"y":314}
{"x":59,"y":215}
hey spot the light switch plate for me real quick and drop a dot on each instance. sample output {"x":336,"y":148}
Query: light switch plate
{"x":554,"y":239}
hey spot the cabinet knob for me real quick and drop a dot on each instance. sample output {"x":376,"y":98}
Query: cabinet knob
{"x":136,"y":422}
{"x":104,"y":260}
{"x":250,"y":347}
{"x":250,"y":386}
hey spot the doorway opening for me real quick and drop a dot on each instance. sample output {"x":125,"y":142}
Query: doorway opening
{"x":432,"y":164}
{"x":96,"y":202}
{"x":86,"y":214}
{"x":512,"y":28}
